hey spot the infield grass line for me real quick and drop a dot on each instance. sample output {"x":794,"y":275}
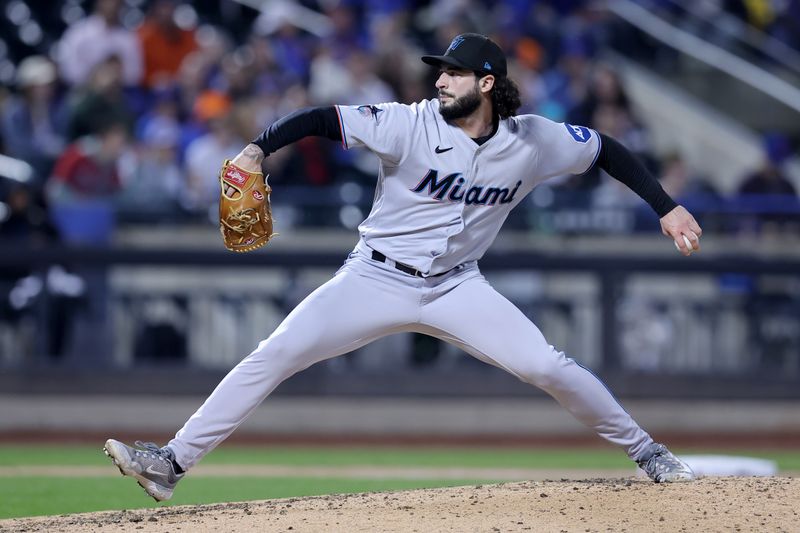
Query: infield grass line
{"x":37,"y":496}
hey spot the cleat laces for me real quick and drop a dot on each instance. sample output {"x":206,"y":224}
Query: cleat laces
{"x":152,"y":450}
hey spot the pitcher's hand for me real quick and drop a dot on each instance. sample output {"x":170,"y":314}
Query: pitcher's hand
{"x":683,"y":229}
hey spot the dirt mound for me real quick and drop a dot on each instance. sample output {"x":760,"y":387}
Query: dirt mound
{"x":710,"y":504}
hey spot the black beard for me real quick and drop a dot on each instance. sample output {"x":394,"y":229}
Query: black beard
{"x":461,"y":107}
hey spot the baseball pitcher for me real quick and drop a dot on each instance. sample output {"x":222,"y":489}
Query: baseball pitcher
{"x":451,"y":170}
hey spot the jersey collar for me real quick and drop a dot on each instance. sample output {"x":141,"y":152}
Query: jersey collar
{"x":457,"y":135}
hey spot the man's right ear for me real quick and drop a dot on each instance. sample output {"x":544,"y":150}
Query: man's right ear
{"x":486,"y":83}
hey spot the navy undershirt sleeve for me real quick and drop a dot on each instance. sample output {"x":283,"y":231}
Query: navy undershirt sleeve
{"x":621,"y":165}
{"x":311,"y":121}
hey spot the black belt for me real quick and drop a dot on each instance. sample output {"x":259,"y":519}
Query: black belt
{"x":377,"y":256}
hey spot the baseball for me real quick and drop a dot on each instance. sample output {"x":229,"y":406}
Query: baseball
{"x":689,"y":244}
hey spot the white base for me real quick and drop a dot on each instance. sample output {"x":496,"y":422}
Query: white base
{"x":727,"y":465}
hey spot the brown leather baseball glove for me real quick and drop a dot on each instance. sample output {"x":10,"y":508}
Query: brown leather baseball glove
{"x":245,"y":215}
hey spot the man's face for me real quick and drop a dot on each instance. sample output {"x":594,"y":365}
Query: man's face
{"x":459,"y":95}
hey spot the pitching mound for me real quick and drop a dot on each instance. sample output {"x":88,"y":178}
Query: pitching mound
{"x":711,"y":504}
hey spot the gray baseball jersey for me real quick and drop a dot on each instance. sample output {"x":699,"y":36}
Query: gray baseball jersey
{"x":441,"y":199}
{"x":439,"y":203}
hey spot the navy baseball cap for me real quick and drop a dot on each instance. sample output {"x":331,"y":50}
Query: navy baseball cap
{"x":472,"y":51}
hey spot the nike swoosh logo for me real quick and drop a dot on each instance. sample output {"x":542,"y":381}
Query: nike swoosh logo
{"x":156,"y":472}
{"x":442,"y":150}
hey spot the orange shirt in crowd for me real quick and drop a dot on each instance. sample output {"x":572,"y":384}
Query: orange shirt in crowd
{"x":163,"y":51}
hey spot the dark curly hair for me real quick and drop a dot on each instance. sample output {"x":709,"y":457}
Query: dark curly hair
{"x":505,"y":97}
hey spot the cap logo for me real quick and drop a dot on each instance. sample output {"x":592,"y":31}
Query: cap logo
{"x":455,"y":44}
{"x":487,"y":66}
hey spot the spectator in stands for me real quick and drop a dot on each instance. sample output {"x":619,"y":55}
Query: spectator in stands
{"x":365,"y":84}
{"x":527,"y":72}
{"x":680,"y":183}
{"x":214,"y":45}
{"x":236,"y":76}
{"x":33,"y":123}
{"x":292,"y":51}
{"x":154,"y":179}
{"x":268,"y":74}
{"x":565,"y":83}
{"x":770,"y":179}
{"x":346,"y":34}
{"x":92,"y":40}
{"x":200,"y":72}
{"x":768,"y":191}
{"x":84,"y":182}
{"x":206,"y":153}
{"x":394,"y":54}
{"x":164,"y":105}
{"x":350,"y":81}
{"x":100,"y":100}
{"x":543,"y":24}
{"x":328,"y":79}
{"x":192,"y":82}
{"x":164,"y":45}
{"x":605,"y":89}
{"x":87,"y":168}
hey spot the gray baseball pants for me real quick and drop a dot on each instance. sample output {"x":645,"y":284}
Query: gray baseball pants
{"x":367,"y":300}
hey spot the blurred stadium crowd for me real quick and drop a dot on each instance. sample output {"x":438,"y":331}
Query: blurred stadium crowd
{"x":121,"y":111}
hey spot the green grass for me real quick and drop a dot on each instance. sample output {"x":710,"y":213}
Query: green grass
{"x":28,"y":496}
{"x":32,"y":496}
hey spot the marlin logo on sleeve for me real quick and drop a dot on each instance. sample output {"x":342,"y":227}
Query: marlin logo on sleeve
{"x":368,"y":111}
{"x":450,"y":188}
